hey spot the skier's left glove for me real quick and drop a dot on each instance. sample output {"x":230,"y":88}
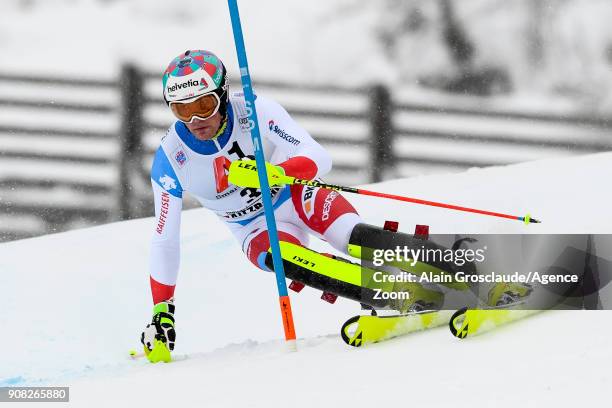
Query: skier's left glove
{"x":243,"y":173}
{"x":159,"y":336}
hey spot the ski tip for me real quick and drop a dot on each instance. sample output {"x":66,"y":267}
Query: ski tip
{"x":351,"y":333}
{"x":457,"y":324}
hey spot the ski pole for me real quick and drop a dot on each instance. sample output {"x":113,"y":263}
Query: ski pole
{"x":527,"y":219}
{"x":241,"y":174}
{"x":285,"y":304}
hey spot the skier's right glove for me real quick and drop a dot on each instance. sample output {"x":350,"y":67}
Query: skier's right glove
{"x":243,"y":173}
{"x":159,"y":336}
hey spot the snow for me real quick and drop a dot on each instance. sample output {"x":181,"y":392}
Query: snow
{"x":75,"y":303}
{"x":337,"y":41}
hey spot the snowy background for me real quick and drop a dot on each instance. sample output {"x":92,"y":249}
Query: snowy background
{"x":548,"y":57}
{"x":74,"y":303}
{"x":548,"y":47}
{"x":73,"y":313}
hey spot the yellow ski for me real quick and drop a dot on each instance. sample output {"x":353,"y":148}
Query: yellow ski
{"x":362,"y":330}
{"x":471,"y":322}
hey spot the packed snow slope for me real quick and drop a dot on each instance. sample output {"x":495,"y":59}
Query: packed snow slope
{"x":73,"y":304}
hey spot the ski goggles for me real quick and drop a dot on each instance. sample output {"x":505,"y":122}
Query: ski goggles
{"x":202,"y":108}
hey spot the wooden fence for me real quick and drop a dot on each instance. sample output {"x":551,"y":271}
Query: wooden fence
{"x":77,"y":152}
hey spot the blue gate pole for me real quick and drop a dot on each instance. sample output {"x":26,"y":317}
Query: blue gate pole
{"x":247,"y":87}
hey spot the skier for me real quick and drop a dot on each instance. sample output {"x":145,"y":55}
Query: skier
{"x":212,"y":131}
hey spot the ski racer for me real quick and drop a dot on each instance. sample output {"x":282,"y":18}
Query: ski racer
{"x":211,"y":131}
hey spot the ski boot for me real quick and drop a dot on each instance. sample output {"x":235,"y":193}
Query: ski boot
{"x":503,"y":294}
{"x":418,"y":298}
{"x":159,"y":336}
{"x":365,"y":239}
